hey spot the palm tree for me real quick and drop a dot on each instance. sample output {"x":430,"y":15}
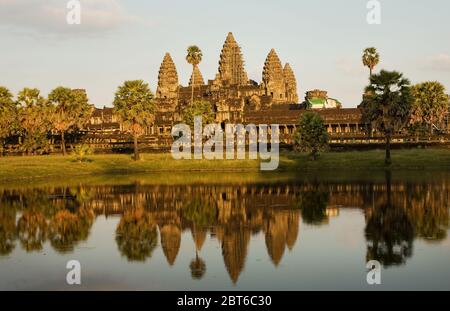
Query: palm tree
{"x":387,"y":105}
{"x":193,"y":57}
{"x":134,"y":105}
{"x":371,"y":58}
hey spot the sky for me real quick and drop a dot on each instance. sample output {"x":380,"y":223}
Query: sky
{"x":120,"y":40}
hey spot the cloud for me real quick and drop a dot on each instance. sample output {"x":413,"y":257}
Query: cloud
{"x":439,"y":62}
{"x":49,"y":16}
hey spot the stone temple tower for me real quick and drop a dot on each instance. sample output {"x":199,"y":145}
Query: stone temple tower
{"x":196,"y":77}
{"x":231,"y":64}
{"x":273,"y":82}
{"x":291,"y":84}
{"x":167,"y":79}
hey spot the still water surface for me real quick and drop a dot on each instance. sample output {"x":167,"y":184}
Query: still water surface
{"x":227,"y":232}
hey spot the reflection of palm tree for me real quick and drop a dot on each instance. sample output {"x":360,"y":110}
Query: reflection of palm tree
{"x":136,"y":235}
{"x":198,"y":267}
{"x":67,"y":228}
{"x":32,"y":230}
{"x":389,"y":233}
{"x":7,"y":229}
{"x":313,"y":205}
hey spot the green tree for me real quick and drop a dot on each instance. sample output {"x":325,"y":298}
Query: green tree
{"x":199,"y":109}
{"x":371,"y":58}
{"x":8,"y":115}
{"x":430,"y":104}
{"x":34,"y":117}
{"x":387,"y":105}
{"x":134,"y":105}
{"x":311,"y":135}
{"x":194,"y":57}
{"x":72,"y":110}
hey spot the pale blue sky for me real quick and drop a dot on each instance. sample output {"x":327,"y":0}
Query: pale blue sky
{"x":126,"y":39}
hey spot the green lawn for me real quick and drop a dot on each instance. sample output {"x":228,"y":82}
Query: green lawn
{"x":14,"y":168}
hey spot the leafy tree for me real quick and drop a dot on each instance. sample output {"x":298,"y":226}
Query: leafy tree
{"x":430,"y":104}
{"x":371,"y":58}
{"x":387,"y":105}
{"x":8,"y":115}
{"x":311,"y":135}
{"x":35,"y":120}
{"x":134,"y":105}
{"x":72,"y":110}
{"x":194,"y":57}
{"x":199,"y":109}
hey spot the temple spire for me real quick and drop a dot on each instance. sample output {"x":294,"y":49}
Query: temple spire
{"x":273,"y":78}
{"x":197,"y":77}
{"x":291,"y":84}
{"x":231,"y":63}
{"x":167,"y":79}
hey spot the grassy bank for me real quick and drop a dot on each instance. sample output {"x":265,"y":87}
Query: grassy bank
{"x":14,"y":168}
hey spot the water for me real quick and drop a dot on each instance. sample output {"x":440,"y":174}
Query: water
{"x":227,"y":232}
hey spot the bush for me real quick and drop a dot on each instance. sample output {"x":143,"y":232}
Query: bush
{"x":81,"y":152}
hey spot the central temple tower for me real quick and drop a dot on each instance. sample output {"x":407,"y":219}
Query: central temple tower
{"x":231,"y":64}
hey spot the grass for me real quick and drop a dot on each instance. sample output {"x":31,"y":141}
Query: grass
{"x":55,"y":166}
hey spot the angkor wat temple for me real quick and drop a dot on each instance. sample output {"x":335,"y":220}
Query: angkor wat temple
{"x":235,"y":99}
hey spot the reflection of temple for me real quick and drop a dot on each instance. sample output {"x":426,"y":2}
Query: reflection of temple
{"x":229,"y":214}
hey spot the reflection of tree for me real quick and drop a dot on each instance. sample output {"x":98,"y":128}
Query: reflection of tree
{"x":136,"y":235}
{"x":7,"y":229}
{"x":198,"y":268}
{"x":427,"y":207}
{"x":389,"y":232}
{"x":313,"y":205}
{"x":32,"y":230}
{"x":67,"y":228}
{"x":198,"y":265}
{"x":200,"y":212}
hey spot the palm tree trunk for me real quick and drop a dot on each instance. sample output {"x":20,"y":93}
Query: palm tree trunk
{"x":370,"y":74}
{"x":388,"y":160}
{"x":193,"y":81}
{"x":136,"y":150}
{"x":63,"y":143}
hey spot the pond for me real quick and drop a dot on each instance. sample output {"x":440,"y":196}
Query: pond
{"x":236,"y":231}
